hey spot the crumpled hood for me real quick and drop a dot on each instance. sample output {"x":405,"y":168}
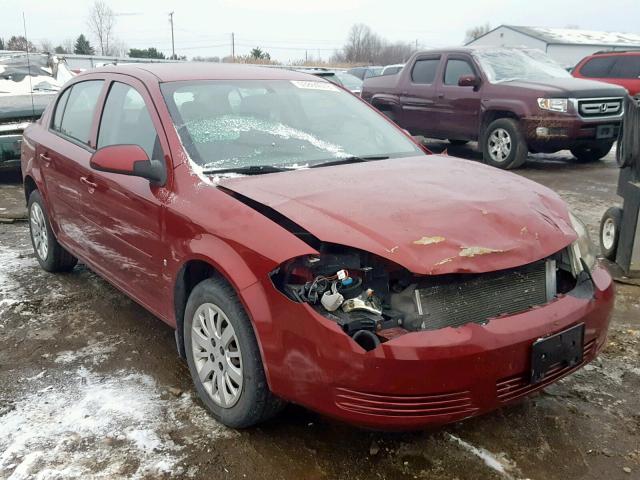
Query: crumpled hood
{"x":431,"y":214}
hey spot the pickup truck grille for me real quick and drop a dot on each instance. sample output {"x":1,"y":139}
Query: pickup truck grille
{"x":600,"y":107}
{"x":477,"y":298}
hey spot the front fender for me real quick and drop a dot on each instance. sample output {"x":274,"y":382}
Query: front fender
{"x":519,"y":108}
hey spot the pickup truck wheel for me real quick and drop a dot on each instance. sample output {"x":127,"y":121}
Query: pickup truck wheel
{"x":503,"y":144}
{"x":457,"y":143}
{"x":223,"y":357}
{"x":51,"y":256}
{"x":610,"y":232}
{"x":593,"y":153}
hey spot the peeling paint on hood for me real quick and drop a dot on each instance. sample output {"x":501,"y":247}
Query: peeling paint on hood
{"x":477,"y":218}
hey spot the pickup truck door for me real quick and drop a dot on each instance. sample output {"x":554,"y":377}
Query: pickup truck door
{"x":458,"y":108}
{"x":418,"y":92}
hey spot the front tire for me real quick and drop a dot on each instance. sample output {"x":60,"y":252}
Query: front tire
{"x":223,"y":357}
{"x":503,"y":145}
{"x":610,"y":232}
{"x":593,"y":153}
{"x":51,"y":256}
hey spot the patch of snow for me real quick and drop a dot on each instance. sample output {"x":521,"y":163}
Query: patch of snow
{"x":97,"y":352}
{"x":117,"y":426}
{"x":587,"y":37}
{"x":500,"y":465}
{"x":11,"y":261}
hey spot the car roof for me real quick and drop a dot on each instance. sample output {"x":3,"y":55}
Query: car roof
{"x":180,"y":71}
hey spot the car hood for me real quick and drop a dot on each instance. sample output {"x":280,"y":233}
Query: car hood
{"x":431,"y":214}
{"x":570,"y":87}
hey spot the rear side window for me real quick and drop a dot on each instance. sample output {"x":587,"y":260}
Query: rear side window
{"x":627,"y":66}
{"x":76,"y":119}
{"x":126,"y":121}
{"x":598,"y":67}
{"x":62,"y":102}
{"x":456,"y":69}
{"x":424,"y":71}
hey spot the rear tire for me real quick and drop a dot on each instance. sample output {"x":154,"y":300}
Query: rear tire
{"x":458,"y":143}
{"x":610,"y":232}
{"x":503,"y":145}
{"x":221,"y":347}
{"x":51,"y":256}
{"x":593,"y":153}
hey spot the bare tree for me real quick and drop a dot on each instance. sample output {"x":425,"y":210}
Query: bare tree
{"x":476,"y":32}
{"x":101,"y":23}
{"x":365,"y":46}
{"x":46,"y":46}
{"x":20,"y":43}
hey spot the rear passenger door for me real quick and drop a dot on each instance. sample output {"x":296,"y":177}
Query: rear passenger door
{"x":418,"y":97}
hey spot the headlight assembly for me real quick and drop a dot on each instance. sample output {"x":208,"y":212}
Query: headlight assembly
{"x":553,"y":104}
{"x":582,"y":248}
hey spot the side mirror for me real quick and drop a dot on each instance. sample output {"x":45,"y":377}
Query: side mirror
{"x":468,"y":81}
{"x":128,"y":160}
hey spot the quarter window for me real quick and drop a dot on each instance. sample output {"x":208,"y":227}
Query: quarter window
{"x":77,"y":116}
{"x":424,"y":71}
{"x":126,"y":121}
{"x":456,"y":69}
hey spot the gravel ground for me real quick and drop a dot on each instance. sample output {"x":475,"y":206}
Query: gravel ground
{"x":91,"y":387}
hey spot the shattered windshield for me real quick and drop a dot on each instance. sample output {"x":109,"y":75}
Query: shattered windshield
{"x":507,"y":64}
{"x":235,"y":123}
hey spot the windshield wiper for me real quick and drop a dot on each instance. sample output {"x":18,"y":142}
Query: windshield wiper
{"x":351,"y":159}
{"x":247,"y":170}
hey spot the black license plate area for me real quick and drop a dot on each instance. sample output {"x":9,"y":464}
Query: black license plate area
{"x":605,"y":131}
{"x":561,"y":350}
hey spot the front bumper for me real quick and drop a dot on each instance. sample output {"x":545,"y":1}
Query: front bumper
{"x":420,"y":378}
{"x":550,"y":133}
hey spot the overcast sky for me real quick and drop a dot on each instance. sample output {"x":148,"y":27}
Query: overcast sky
{"x":286,"y":28}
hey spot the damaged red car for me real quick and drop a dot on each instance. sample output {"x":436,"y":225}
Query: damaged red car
{"x":306,"y":250}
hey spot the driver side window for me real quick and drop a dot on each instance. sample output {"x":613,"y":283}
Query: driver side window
{"x":126,"y":121}
{"x":456,"y":69}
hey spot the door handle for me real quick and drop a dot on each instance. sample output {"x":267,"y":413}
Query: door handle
{"x":45,"y":158}
{"x":88,"y":183}
{"x":441,"y":95}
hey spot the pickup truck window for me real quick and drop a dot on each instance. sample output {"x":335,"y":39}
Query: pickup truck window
{"x":424,"y":71}
{"x":455,"y":69}
{"x":79,"y":109}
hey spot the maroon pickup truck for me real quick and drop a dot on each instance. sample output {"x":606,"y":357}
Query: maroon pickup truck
{"x":512,"y":101}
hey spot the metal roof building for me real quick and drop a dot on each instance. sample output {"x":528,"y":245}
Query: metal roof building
{"x":565,"y":45}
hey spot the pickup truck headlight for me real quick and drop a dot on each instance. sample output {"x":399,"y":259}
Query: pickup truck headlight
{"x":553,"y":104}
{"x":583,"y":247}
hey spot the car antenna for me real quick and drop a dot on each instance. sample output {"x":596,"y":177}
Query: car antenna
{"x":26,"y":40}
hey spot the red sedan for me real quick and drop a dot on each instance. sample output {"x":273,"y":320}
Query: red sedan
{"x":306,"y":250}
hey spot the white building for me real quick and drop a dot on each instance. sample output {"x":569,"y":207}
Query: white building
{"x":566,"y":46}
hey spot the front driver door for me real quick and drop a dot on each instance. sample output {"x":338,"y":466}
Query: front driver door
{"x":128,"y":209}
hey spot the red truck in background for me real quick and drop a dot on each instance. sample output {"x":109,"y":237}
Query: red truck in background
{"x":619,"y":68}
{"x":512,"y":101}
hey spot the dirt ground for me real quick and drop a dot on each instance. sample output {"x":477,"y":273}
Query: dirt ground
{"x":91,"y":387}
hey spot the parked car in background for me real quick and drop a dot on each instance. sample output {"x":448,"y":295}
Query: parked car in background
{"x":392,"y":69}
{"x":306,"y":249}
{"x":365,"y":72}
{"x":339,"y":77}
{"x":513,"y":101}
{"x":619,"y":68}
{"x":27,"y":85}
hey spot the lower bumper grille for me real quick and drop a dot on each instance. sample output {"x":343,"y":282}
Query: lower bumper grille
{"x":465,"y":299}
{"x":513,"y":388}
{"x":446,"y":404}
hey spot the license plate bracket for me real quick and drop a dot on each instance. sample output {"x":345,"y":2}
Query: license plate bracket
{"x":564,"y":349}
{"x":604,"y":131}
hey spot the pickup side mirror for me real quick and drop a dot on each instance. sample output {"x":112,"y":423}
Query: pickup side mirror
{"x":468,"y":81}
{"x":128,"y":160}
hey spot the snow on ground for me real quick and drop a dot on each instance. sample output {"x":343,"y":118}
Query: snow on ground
{"x":12,"y":260}
{"x":88,"y":425}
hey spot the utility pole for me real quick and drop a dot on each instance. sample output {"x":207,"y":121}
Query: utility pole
{"x":233,"y":47}
{"x":306,"y":55}
{"x":416,"y":44}
{"x":173,"y":45}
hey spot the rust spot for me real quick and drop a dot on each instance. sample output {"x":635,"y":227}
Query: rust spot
{"x":392,"y":250}
{"x":429,"y":240}
{"x":443,"y":261}
{"x":473,"y":251}
{"x":524,"y":231}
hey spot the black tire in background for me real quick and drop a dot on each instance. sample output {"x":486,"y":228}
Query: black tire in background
{"x":256,"y":403}
{"x":610,"y":232}
{"x":56,"y":259}
{"x":594,"y":153}
{"x":517,"y":146}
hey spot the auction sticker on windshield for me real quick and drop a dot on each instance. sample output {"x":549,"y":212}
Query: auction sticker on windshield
{"x":315,"y":85}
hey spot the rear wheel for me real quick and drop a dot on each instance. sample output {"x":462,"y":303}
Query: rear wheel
{"x":51,"y":256}
{"x":610,"y":232}
{"x":591,"y":153}
{"x":503,"y":145}
{"x":223,"y":357}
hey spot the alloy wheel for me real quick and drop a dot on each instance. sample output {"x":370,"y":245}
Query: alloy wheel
{"x":217,"y":355}
{"x":39,"y":234}
{"x":608,"y":233}
{"x":499,"y":145}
